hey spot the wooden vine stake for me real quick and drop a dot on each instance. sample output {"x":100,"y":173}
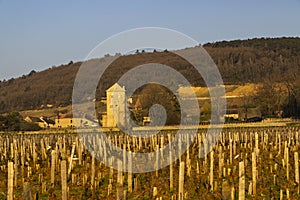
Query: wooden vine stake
{"x":53,"y":154}
{"x":16,"y":166}
{"x":211,"y":173}
{"x":120,"y":174}
{"x":156,"y":160}
{"x":220,"y":161}
{"x":64,"y":180}
{"x":241,"y":181}
{"x":10,"y":183}
{"x":287,"y":162}
{"x":230,"y":149}
{"x":71,"y":160}
{"x":171,"y":171}
{"x":296,"y":157}
{"x":93,"y":172}
{"x":129,"y":180}
{"x":254,"y":173}
{"x":256,"y":144}
{"x":154,"y":191}
{"x":181,"y":180}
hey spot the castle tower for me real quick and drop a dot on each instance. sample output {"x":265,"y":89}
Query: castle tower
{"x":115,"y":106}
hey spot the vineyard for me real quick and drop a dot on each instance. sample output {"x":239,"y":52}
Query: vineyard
{"x":244,"y":163}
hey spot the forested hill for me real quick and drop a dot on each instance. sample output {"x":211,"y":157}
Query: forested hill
{"x":239,"y":61}
{"x":256,"y":60}
{"x":272,"y":44}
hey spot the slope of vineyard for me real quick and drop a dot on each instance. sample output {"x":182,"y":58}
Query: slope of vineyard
{"x":240,"y":62}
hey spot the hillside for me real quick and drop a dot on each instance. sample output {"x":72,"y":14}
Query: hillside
{"x":240,"y":62}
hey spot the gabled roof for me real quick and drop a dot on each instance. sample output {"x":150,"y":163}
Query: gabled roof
{"x":67,"y":115}
{"x":33,"y":119}
{"x":116,"y":88}
{"x":47,"y":120}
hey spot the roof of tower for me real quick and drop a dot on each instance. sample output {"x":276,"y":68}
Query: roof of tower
{"x":116,"y":88}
